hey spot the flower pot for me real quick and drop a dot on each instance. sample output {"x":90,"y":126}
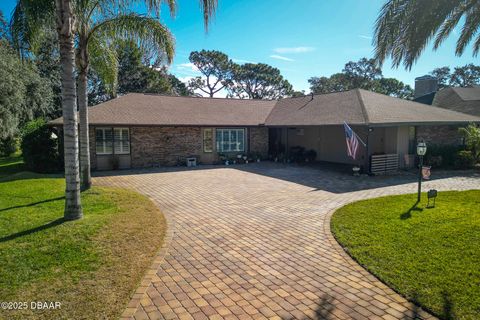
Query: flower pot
{"x":356,"y":171}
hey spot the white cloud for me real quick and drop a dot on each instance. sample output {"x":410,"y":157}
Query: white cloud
{"x":187,"y":66}
{"x":276,"y":56}
{"x":365,"y":37}
{"x":294,"y":50}
{"x":185,"y":79}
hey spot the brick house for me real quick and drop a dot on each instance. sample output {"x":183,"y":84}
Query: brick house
{"x":460,"y":99}
{"x":144,"y":130}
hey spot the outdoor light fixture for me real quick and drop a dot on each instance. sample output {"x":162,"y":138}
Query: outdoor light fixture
{"x":421,"y":151}
{"x":421,"y":148}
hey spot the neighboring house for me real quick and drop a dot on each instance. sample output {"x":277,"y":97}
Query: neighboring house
{"x":144,"y":130}
{"x":466,"y":100}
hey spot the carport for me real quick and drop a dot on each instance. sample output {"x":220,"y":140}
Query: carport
{"x":389,"y":127}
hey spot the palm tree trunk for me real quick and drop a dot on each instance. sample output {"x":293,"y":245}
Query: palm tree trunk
{"x":86,"y":178}
{"x":65,"y":24}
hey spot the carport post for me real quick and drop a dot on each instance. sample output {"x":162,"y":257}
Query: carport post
{"x":367,"y":151}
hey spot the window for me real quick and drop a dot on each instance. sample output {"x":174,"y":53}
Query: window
{"x":112,"y":141}
{"x":121,"y":141}
{"x":230,"y":140}
{"x":208,"y":140}
{"x":104,"y":140}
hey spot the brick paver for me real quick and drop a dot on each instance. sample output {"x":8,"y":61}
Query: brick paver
{"x":254,"y":242}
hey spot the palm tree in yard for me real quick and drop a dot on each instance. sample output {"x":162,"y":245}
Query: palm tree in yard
{"x":58,"y":14}
{"x":405,"y":27}
{"x":95,"y":25}
{"x":95,"y":38}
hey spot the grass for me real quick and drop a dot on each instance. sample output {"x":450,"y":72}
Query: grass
{"x":430,"y":256}
{"x":11,"y":165}
{"x":91,"y":266}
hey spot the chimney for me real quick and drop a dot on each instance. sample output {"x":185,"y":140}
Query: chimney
{"x":424,"y":85}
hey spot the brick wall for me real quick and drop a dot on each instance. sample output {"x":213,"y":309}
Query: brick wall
{"x":153,"y":146}
{"x":165,"y":146}
{"x":439,"y":135}
{"x":259,"y":140}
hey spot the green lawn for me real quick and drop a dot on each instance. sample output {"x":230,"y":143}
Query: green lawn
{"x":431,"y":256}
{"x":11,"y":165}
{"x":91,"y":266}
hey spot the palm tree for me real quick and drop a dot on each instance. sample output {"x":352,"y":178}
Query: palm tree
{"x":28,"y":19}
{"x":405,"y":27}
{"x":98,"y":24}
{"x":94,"y":36}
{"x":96,"y":33}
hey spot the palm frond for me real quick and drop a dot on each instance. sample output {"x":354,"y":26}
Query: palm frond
{"x":148,"y":32}
{"x":209,"y":7}
{"x":103,"y":59}
{"x":404,"y":28}
{"x":469,"y":29}
{"x":29,"y":21}
{"x":451,"y":22}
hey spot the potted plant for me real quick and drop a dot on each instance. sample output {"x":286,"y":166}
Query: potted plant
{"x":310,"y":155}
{"x":356,"y":171}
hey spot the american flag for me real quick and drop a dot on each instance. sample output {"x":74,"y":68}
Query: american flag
{"x":352,"y":141}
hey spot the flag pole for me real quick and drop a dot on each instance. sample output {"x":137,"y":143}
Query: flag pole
{"x":360,"y":139}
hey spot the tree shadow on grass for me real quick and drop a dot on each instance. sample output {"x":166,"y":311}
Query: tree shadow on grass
{"x":408,"y":214}
{"x":417,"y":313}
{"x":31,"y":204}
{"x":46,"y":226}
{"x":447,"y":313}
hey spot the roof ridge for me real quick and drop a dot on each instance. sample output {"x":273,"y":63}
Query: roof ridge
{"x":197,"y":97}
{"x":362,"y":105}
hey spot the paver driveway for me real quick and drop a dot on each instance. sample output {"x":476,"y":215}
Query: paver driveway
{"x":253,"y":242}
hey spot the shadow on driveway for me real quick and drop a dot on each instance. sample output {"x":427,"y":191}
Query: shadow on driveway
{"x":328,"y":177}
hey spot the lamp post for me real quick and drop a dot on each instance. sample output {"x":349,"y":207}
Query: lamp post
{"x":421,"y":150}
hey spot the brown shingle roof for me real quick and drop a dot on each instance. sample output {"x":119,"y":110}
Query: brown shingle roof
{"x":323,"y":109}
{"x":467,"y":94}
{"x":382,"y":109}
{"x":359,"y":107}
{"x":153,"y":109}
{"x":354,"y":106}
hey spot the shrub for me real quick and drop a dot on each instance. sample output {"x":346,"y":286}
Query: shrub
{"x":39,"y":149}
{"x":7,"y":146}
{"x":472,"y":140}
{"x":441,"y":156}
{"x":464,"y":160}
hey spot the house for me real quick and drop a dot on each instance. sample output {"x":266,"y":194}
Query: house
{"x":466,"y":100}
{"x":144,"y":130}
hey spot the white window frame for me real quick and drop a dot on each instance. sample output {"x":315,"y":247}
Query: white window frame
{"x":113,"y":141}
{"x":122,"y":140}
{"x":219,"y":139}
{"x":104,"y":141}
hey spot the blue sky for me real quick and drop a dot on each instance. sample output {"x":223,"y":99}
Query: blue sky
{"x":303,"y":38}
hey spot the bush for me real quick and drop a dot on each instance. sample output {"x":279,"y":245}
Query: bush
{"x":39,"y":149}
{"x":8,"y":146}
{"x":464,"y":160}
{"x":441,"y":156}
